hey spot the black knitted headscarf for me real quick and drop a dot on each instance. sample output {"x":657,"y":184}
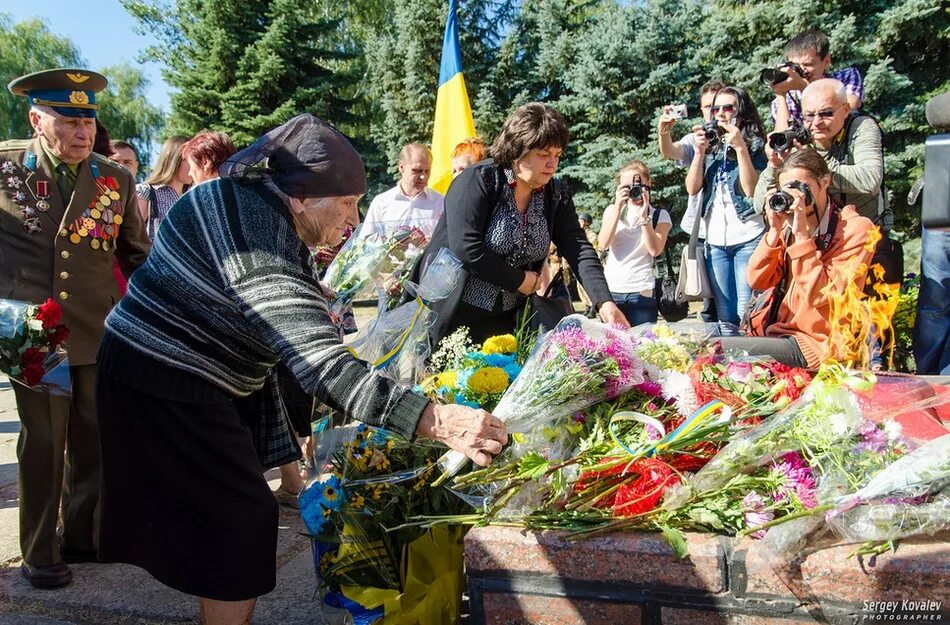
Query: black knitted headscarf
{"x":305,"y":158}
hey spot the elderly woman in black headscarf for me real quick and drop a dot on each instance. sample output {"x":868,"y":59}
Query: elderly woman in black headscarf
{"x":227,"y":293}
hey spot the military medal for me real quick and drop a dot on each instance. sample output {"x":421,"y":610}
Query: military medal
{"x":42,"y":195}
{"x":100,"y":221}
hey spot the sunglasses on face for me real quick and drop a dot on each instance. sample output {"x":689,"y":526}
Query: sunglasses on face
{"x":725,"y":108}
{"x":823,"y":114}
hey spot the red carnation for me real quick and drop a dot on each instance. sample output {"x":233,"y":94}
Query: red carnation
{"x":31,"y":357}
{"x":33,"y":374}
{"x":57,"y":336}
{"x":50,"y":314}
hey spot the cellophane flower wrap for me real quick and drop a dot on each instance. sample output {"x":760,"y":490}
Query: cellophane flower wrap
{"x":367,"y":560}
{"x":576,"y":365}
{"x":379,"y":261}
{"x":396,"y":341}
{"x":31,"y":345}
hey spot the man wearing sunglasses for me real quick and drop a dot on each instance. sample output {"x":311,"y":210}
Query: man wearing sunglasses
{"x":850,"y":142}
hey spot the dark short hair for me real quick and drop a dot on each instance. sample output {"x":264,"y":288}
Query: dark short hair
{"x":808,"y":159}
{"x":809,"y":41}
{"x":209,"y":149}
{"x":711,"y":85}
{"x":119,"y":144}
{"x":531,"y":126}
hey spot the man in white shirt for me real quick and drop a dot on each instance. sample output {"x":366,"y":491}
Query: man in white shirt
{"x":410,"y":202}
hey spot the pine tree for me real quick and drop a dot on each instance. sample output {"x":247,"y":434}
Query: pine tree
{"x":295,"y":66}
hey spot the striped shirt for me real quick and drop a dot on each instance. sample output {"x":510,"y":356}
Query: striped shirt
{"x":228,"y":290}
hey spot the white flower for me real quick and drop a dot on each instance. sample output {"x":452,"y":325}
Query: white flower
{"x":678,"y":387}
{"x":893,"y":429}
{"x":35,"y":324}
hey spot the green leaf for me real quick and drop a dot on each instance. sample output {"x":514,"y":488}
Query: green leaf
{"x":676,"y":539}
{"x":532,"y":466}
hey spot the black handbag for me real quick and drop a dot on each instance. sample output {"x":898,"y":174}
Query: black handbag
{"x":547,"y":310}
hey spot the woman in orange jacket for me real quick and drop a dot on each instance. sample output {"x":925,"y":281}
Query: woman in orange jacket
{"x":812,"y":253}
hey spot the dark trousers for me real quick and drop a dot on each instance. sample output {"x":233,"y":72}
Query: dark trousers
{"x":58,"y":454}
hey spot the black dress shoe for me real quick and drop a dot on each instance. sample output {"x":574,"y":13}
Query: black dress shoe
{"x":47,"y":576}
{"x":78,"y":556}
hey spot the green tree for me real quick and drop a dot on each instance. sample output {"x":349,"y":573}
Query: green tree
{"x":295,"y":66}
{"x":124,"y":108}
{"x":200,"y":45}
{"x":27,"y":47}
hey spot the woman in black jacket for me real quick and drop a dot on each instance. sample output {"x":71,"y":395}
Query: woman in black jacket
{"x":500,"y":218}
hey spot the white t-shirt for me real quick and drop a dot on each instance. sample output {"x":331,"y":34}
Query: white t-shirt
{"x":723,"y":226}
{"x":629,"y":266}
{"x":394,"y":209}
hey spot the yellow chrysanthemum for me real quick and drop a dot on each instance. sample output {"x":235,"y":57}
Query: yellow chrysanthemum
{"x":447,"y":379}
{"x":503,"y":344}
{"x":489,"y":380}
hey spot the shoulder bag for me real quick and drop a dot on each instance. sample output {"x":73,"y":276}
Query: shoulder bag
{"x":665,"y":290}
{"x":693,"y":282}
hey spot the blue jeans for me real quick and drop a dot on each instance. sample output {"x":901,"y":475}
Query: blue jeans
{"x":727,"y":267}
{"x":636,"y":308}
{"x":932,"y":331}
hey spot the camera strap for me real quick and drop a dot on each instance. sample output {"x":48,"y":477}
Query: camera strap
{"x":823,"y":240}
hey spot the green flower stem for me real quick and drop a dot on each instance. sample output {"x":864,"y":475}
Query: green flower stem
{"x":789,"y":517}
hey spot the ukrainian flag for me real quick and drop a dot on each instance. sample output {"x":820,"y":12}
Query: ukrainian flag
{"x":453,"y":113}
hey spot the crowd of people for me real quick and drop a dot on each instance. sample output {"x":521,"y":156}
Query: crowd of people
{"x":205,"y":368}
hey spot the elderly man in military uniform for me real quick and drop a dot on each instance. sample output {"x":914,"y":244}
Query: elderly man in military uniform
{"x":65,"y":214}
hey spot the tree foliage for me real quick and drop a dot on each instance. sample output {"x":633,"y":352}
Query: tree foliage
{"x":124,"y":109}
{"x":27,"y":47}
{"x":608,"y":65}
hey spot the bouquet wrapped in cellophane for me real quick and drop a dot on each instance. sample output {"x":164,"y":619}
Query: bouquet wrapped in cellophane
{"x":397,"y":340}
{"x":378,"y":262}
{"x":370,"y":558}
{"x":31,"y":346}
{"x":368,"y":561}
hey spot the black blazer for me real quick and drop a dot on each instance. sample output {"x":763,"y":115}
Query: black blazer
{"x":469,"y":204}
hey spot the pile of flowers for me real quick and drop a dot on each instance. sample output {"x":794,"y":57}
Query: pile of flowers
{"x":31,"y":339}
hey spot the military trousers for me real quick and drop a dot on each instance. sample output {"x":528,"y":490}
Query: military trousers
{"x":59,"y":463}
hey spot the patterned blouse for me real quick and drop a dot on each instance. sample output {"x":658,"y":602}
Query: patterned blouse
{"x":521,"y":239}
{"x":165,"y":198}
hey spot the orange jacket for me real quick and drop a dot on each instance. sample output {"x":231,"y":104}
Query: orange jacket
{"x":805,"y":309}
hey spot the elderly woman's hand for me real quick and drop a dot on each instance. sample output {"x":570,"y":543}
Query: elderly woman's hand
{"x":475,"y":433}
{"x":610,"y":313}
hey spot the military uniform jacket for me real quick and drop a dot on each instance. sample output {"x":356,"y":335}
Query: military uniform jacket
{"x":51,"y":250}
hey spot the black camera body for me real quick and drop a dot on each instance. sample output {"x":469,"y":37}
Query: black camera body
{"x":784,"y":140}
{"x":713,"y":133}
{"x":774,"y":75}
{"x":782,"y":201}
{"x":636,"y":189}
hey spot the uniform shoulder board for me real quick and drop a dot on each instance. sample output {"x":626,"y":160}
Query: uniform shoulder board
{"x":15,"y":145}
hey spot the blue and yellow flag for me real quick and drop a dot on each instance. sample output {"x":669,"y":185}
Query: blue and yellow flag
{"x":453,"y":112}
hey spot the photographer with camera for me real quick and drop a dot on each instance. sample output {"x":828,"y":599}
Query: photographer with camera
{"x":682,"y":152}
{"x":807,"y":255}
{"x":850,"y":142}
{"x":807,"y":60}
{"x":725,"y":168}
{"x":634,"y":232}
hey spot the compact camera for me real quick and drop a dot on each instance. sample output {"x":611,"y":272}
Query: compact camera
{"x":676,"y":111}
{"x":774,"y":75}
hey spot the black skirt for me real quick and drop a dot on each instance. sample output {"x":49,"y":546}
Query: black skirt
{"x":183,"y":492}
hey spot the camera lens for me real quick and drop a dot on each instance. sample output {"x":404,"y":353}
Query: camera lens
{"x":781,"y":202}
{"x":636,"y":192}
{"x":772,"y":76}
{"x":780,"y":141}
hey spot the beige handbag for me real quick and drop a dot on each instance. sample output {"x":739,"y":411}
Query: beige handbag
{"x":693,"y":282}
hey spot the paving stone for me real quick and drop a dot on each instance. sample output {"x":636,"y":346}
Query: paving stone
{"x":675,"y":616}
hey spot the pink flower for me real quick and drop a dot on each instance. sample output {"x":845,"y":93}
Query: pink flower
{"x":738,"y":371}
{"x":798,"y":478}
{"x":649,"y":387}
{"x":873,"y":438}
{"x":755,"y":513}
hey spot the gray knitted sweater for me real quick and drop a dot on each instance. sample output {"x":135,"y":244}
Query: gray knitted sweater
{"x":228,"y":291}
